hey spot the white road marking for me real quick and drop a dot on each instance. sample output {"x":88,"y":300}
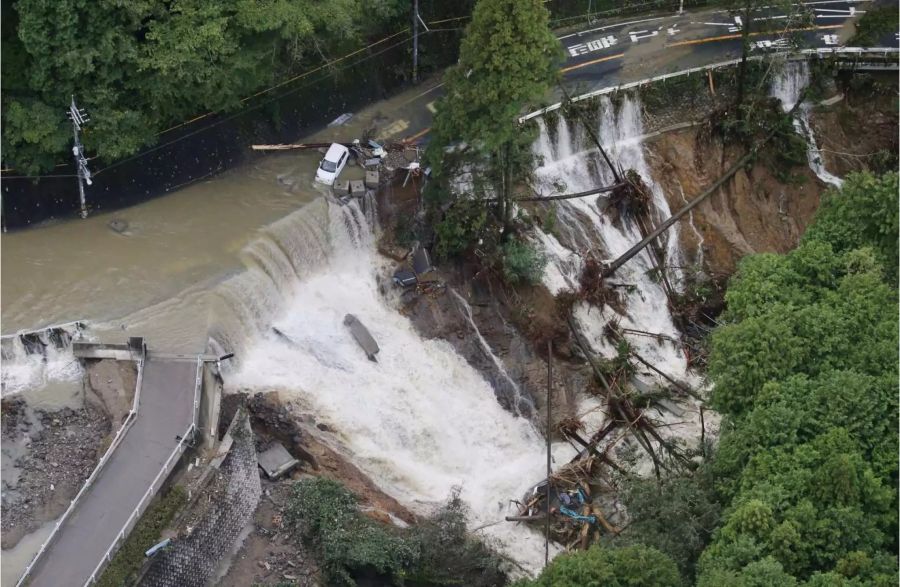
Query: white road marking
{"x":766,"y":44}
{"x":591,"y":46}
{"x":830,"y":39}
{"x":611,"y":26}
{"x":395,"y":127}
{"x":838,"y":13}
{"x":638,"y":35}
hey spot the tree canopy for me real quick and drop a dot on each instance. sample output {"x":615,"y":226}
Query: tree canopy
{"x":805,"y":374}
{"x":631,"y":566}
{"x":508,"y":59}
{"x":139,"y":67}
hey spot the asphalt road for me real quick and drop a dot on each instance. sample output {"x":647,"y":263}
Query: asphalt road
{"x":606,"y":54}
{"x":609,"y":54}
{"x":166,"y":411}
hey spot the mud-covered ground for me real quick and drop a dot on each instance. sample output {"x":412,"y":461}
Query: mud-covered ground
{"x":47,"y":455}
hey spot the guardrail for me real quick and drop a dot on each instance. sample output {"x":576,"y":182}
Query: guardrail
{"x":117,"y":440}
{"x":157,"y":482}
{"x":794,"y":55}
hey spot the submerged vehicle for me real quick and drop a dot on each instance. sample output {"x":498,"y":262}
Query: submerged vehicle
{"x":361,"y":335}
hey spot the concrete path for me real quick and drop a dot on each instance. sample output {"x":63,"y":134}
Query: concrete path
{"x":165,"y":412}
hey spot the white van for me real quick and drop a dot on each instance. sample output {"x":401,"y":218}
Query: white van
{"x":332,"y":164}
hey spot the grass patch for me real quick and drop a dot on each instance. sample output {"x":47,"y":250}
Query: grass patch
{"x":128,"y":560}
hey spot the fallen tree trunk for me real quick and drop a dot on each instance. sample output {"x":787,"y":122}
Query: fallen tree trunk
{"x":584,"y":194}
{"x":624,"y":258}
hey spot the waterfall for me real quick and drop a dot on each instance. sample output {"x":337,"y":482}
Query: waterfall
{"x":580,"y":167}
{"x":421,"y":420}
{"x":32,"y":360}
{"x":787,"y":86}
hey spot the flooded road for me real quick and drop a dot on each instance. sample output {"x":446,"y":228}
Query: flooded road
{"x":155,"y":278}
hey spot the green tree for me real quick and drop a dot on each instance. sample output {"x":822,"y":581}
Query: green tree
{"x":508,"y":60}
{"x":819,"y":311}
{"x":676,"y":515}
{"x":522,"y":262}
{"x":631,"y":566}
{"x":144,"y":65}
{"x":863,"y":213}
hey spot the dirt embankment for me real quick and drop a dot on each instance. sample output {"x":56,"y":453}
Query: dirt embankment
{"x":758,"y":211}
{"x":753,"y":212}
{"x":47,"y":455}
{"x":269,"y":554}
{"x":858,"y":133}
{"x":275,"y":420}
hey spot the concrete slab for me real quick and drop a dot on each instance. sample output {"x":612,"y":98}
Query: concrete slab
{"x":341,"y":187}
{"x":372,"y":179}
{"x":357,"y":188}
{"x":276,"y":461}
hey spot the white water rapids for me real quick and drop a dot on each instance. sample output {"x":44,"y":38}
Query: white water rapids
{"x":571,"y":161}
{"x":419,"y":421}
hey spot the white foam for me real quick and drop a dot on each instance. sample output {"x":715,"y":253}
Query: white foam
{"x":582,"y":169}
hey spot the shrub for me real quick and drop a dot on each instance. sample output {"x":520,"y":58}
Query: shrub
{"x":521,"y":262}
{"x":324,"y":514}
{"x":349,"y":545}
{"x":460,"y":229}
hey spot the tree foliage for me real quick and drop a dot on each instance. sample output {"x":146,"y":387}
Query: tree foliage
{"x":676,"y":515}
{"x":349,"y":545}
{"x":522,"y":262}
{"x":863,"y":213}
{"x":508,"y":61}
{"x":143,"y":65}
{"x":802,"y":488}
{"x":805,"y":374}
{"x":631,"y":566}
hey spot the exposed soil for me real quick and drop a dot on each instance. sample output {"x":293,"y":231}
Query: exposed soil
{"x":858,"y":133}
{"x":754,"y":212}
{"x":515,"y":323}
{"x":49,"y":454}
{"x":275,"y":420}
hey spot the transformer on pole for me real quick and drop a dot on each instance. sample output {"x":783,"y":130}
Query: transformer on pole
{"x":79,"y":118}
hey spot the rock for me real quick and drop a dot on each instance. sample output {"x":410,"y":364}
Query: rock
{"x":323,"y":427}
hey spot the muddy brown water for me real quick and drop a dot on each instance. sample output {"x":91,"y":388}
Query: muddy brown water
{"x":147,"y":270}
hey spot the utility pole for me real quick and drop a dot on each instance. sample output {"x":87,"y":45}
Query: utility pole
{"x":415,"y":24}
{"x":549,"y":435}
{"x":79,"y":118}
{"x":681,"y":7}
